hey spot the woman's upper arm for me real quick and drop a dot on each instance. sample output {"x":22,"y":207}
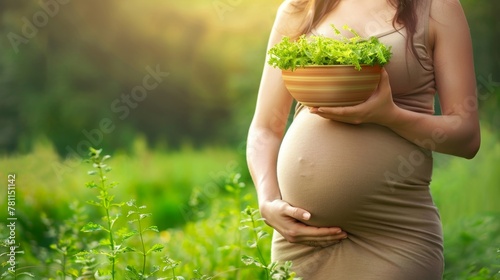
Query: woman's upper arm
{"x":453,"y":60}
{"x":274,"y":101}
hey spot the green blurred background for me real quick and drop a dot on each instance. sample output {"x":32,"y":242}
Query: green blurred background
{"x":168,"y":88}
{"x":65,"y":70}
{"x":82,"y":64}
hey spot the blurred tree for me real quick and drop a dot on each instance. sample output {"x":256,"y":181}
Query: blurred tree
{"x":88,"y":61}
{"x":485,"y":31}
{"x":22,"y":65}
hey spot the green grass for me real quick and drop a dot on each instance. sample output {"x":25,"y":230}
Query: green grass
{"x":162,"y":179}
{"x":463,"y":188}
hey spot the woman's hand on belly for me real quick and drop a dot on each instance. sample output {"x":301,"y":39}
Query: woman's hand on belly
{"x":289,"y":222}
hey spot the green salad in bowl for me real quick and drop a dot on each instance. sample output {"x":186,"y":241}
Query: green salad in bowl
{"x":320,"y":50}
{"x":323,"y":71}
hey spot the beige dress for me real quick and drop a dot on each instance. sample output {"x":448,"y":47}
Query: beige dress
{"x":369,"y":181}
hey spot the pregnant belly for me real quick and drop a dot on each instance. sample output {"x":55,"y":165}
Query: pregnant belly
{"x":335,"y":170}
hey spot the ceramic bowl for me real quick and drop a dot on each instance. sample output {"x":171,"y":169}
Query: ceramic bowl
{"x":331,"y":85}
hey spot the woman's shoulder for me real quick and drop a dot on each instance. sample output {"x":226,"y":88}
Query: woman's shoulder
{"x":294,"y":5}
{"x":291,"y":17}
{"x":446,"y":10}
{"x":447,"y":17}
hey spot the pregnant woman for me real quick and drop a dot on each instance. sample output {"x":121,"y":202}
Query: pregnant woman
{"x":347,"y":188}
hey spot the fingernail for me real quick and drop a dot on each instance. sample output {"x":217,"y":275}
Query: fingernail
{"x":306,"y":216}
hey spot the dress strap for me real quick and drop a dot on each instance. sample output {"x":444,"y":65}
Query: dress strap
{"x":422,"y":32}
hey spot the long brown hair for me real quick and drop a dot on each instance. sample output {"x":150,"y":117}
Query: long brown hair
{"x":316,"y":10}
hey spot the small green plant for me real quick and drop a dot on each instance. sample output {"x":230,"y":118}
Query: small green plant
{"x":272,"y":270}
{"x":234,"y":186}
{"x":16,"y":273}
{"x":68,"y":242}
{"x":115,"y":239}
{"x":140,"y":231}
{"x":321,"y":50}
{"x":105,"y":202}
{"x":170,"y":265}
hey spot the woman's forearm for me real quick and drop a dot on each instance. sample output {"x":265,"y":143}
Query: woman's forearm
{"x":262,"y":150}
{"x":455,"y":134}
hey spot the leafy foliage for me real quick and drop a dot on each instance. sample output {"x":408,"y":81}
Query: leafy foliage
{"x":103,"y":249}
{"x":116,"y":240}
{"x":469,"y":239}
{"x":321,"y":50}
